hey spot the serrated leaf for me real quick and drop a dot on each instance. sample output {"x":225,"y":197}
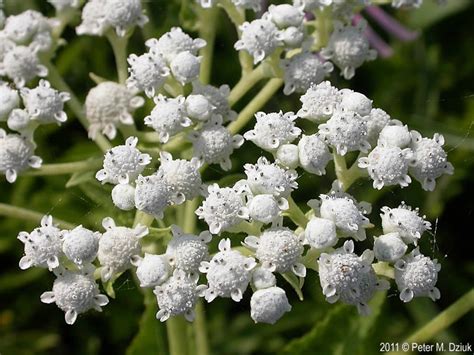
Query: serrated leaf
{"x":151,"y":336}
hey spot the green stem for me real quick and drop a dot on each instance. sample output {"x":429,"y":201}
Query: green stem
{"x":119,"y":47}
{"x":28,"y":215}
{"x":58,"y":82}
{"x":346,"y":176}
{"x":207,"y":30}
{"x":200,"y":329}
{"x":256,"y":104}
{"x":177,"y":335}
{"x":246,"y":83}
{"x":66,"y":168}
{"x":235,"y":15}
{"x":295,"y":213}
{"x":189,"y":223}
{"x":450,"y":315}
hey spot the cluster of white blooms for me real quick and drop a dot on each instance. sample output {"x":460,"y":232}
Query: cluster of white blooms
{"x":279,"y":237}
{"x":173,"y":53}
{"x":99,"y":16}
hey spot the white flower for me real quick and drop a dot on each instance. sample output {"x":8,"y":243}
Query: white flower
{"x":108,"y":105}
{"x":123,"y":197}
{"x":185,"y":67}
{"x":259,"y":38}
{"x":223,"y":208}
{"x":319,"y":102}
{"x":16,"y":155}
{"x":254,"y":5}
{"x":416,"y":276}
{"x":303,"y":70}
{"x":21,"y":65}
{"x":285,"y":15}
{"x":148,"y":73}
{"x":123,"y":163}
{"x":310,"y":5}
{"x":173,"y":43}
{"x":44,"y":103}
{"x":405,"y":221}
{"x":217,"y":98}
{"x":287,"y":156}
{"x":387,"y":166}
{"x":5,"y":46}
{"x":314,"y":154}
{"x":63,"y":5}
{"x":278,"y":249}
{"x":350,"y":278}
{"x":348,"y":48}
{"x":228,"y":273}
{"x":268,"y":178}
{"x":395,"y":134}
{"x":346,"y":131}
{"x":124,"y":14}
{"x":80,"y":245}
{"x":214,"y":144}
{"x":75,"y":293}
{"x":389,"y":247}
{"x":269,"y":305}
{"x":263,"y":278}
{"x":9,"y":100}
{"x":153,"y":195}
{"x":346,"y":214}
{"x":152,"y":270}
{"x":320,"y":233}
{"x":43,"y":246}
{"x":266,"y":208}
{"x":355,"y":102}
{"x":182,"y":176}
{"x":19,"y":120}
{"x":118,"y":247}
{"x":376,"y":121}
{"x":431,"y":160}
{"x":187,"y":251}
{"x":293,"y":37}
{"x":29,"y":28}
{"x":199,"y":107}
{"x":93,"y":19}
{"x":178,"y":295}
{"x":168,"y":117}
{"x":407,"y":3}
{"x":273,"y":130}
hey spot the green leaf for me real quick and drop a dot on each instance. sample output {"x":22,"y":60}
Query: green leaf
{"x":430,"y":12}
{"x":151,"y":336}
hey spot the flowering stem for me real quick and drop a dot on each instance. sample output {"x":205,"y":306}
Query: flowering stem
{"x":450,"y":315}
{"x":256,"y":104}
{"x":177,"y":335}
{"x":200,"y":328}
{"x":66,"y":168}
{"x":58,"y":82}
{"x":237,"y":17}
{"x":28,"y":215}
{"x":295,"y":213}
{"x":119,"y":47}
{"x":207,"y":31}
{"x":245,"y":84}
{"x":346,"y":176}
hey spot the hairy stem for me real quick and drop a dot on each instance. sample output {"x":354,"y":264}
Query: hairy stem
{"x":208,"y":21}
{"x":256,"y":104}
{"x":28,"y":215}
{"x":119,"y":47}
{"x":66,"y":168}
{"x":74,"y":104}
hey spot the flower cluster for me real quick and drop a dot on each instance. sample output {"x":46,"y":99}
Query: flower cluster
{"x":279,"y":238}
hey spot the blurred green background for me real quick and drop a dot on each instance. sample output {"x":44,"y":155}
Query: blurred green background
{"x":427,"y":83}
